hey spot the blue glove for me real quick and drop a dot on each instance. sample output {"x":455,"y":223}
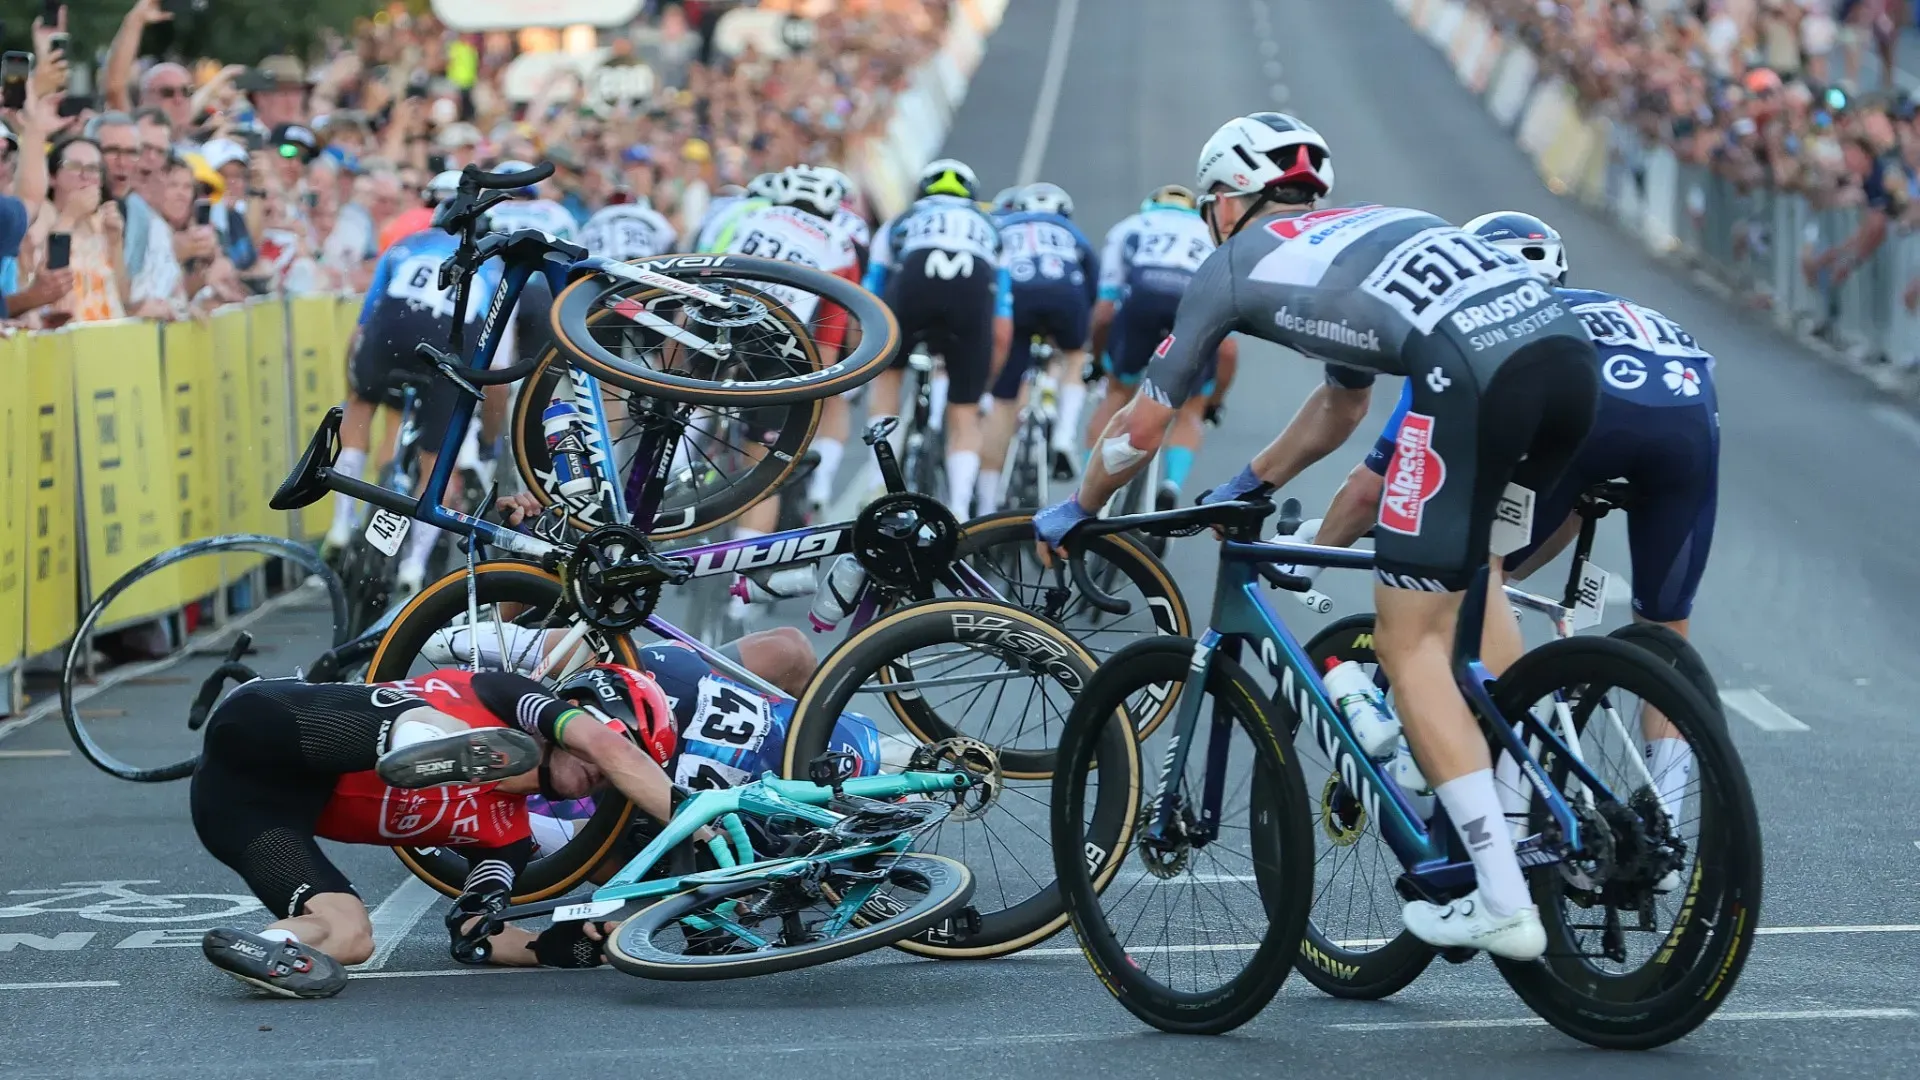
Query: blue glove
{"x":1244,"y":484}
{"x":1053,"y":523}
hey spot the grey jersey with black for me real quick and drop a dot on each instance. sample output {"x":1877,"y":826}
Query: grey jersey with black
{"x":1505,"y":379}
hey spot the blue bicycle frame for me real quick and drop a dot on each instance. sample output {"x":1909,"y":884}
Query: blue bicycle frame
{"x":1436,"y":867}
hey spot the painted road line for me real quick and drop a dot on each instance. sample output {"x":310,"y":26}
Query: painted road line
{"x":393,"y":920}
{"x":439,"y":972}
{"x":1774,"y":1015}
{"x":196,"y":647}
{"x":1889,"y":928}
{"x":94,"y":984}
{"x":15,"y":755}
{"x":1374,"y":943}
{"x":1754,"y":707}
{"x":1048,"y":100}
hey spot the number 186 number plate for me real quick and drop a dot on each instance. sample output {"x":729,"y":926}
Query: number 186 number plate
{"x":387,"y":530}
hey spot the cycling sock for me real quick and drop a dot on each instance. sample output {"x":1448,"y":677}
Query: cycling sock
{"x":1177,"y":462}
{"x":1671,"y":763}
{"x":939,"y":404}
{"x":1474,"y":808}
{"x":419,"y":548}
{"x":986,"y":495}
{"x":820,"y":485}
{"x":351,"y":463}
{"x":963,"y":469}
{"x":1072,"y":396}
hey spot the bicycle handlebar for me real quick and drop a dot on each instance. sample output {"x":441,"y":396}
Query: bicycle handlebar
{"x":504,"y":180}
{"x":1239,"y":517}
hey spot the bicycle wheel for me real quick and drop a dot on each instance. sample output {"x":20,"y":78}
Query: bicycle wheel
{"x":999,"y":549}
{"x":1598,"y":905}
{"x":1222,"y":918}
{"x":757,"y":926}
{"x":730,"y":456}
{"x":515,"y":602}
{"x":986,"y":687}
{"x":694,"y":375}
{"x":1355,"y":946}
{"x":1676,"y":651}
{"x":93,"y":743}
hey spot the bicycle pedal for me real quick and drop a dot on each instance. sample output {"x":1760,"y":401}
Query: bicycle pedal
{"x":1458,"y":955}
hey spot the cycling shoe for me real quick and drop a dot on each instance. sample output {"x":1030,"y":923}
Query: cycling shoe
{"x":476,"y":756}
{"x":286,"y":968}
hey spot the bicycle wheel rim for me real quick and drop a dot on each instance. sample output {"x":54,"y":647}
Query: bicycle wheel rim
{"x":632,"y":949}
{"x":1278,"y":862}
{"x":879,"y":333}
{"x":430,"y":610}
{"x":672,"y":522}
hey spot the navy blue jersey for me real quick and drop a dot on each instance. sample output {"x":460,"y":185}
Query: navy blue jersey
{"x":1047,"y":251}
{"x":1645,"y":357}
{"x":405,"y":303}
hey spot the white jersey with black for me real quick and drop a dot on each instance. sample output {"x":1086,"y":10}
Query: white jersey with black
{"x":628,"y":231}
{"x":793,"y":235}
{"x":543,"y":214}
{"x":1158,"y":248}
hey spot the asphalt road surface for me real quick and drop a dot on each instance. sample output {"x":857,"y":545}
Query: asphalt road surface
{"x":1801,"y":617}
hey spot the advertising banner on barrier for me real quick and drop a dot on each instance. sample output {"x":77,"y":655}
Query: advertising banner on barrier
{"x":1512,"y":79}
{"x":237,"y":468}
{"x":52,"y":552}
{"x":186,"y":362}
{"x":125,"y":482}
{"x":16,"y":468}
{"x":272,"y":402}
{"x":319,"y":383}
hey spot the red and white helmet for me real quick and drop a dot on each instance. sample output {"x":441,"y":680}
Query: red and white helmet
{"x":819,"y":191}
{"x":1264,"y":150}
{"x":626,"y":700}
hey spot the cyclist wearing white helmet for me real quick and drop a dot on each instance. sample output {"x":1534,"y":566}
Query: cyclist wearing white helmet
{"x":1145,"y":265}
{"x":716,"y":228}
{"x":1370,"y":291}
{"x":1054,"y":273}
{"x":939,"y":266}
{"x":799,"y":227}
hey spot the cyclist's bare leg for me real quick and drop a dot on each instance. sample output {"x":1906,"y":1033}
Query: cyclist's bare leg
{"x":830,"y":442}
{"x":996,"y":437}
{"x":420,"y":535}
{"x":1183,"y":443}
{"x":783,"y":656}
{"x":335,"y":923}
{"x":963,"y":455}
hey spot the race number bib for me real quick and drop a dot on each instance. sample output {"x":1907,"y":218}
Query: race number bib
{"x":699,"y":773}
{"x":1623,"y":325}
{"x":729,"y":718}
{"x":417,"y":281}
{"x":1431,"y":272}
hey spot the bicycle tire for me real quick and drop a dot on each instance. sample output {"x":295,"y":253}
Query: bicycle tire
{"x":870,"y":651}
{"x":983,"y":539}
{"x":433,"y":608}
{"x":247,"y":543}
{"x":1339,"y":970}
{"x":530,"y":454}
{"x":630,"y":948}
{"x":1283,"y":860}
{"x":1677,"y":651}
{"x":1726,"y":895}
{"x":879,"y":333}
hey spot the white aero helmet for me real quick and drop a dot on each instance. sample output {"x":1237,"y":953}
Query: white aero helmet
{"x":441,"y":188}
{"x":763,"y":186}
{"x":1262,"y":151}
{"x":816,"y":190}
{"x":1526,"y":236}
{"x":1007,"y":199}
{"x":947,"y":176}
{"x":1044,"y":198}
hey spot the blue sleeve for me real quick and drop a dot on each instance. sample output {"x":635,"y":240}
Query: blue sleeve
{"x":1003,"y":300}
{"x":875,"y":279}
{"x":382,"y":277}
{"x":1383,"y":447}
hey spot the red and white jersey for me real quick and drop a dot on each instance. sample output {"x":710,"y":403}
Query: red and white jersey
{"x":784,"y":232}
{"x":851,"y":227}
{"x":364,"y":810}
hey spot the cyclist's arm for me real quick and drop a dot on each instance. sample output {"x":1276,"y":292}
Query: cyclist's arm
{"x":526,"y":703}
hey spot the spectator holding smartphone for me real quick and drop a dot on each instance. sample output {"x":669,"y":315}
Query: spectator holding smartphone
{"x":26,"y":281}
{"x":79,"y":210}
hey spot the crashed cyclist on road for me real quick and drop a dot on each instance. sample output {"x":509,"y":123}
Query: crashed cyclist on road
{"x":1379,"y":290}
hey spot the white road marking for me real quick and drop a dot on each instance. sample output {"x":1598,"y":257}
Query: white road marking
{"x":15,"y":755}
{"x":1374,"y":943}
{"x":92,"y":984}
{"x":1890,"y":928}
{"x":1720,"y":1017}
{"x":1754,"y":707}
{"x":358,"y":973}
{"x":394,"y":919}
{"x":1049,"y":98}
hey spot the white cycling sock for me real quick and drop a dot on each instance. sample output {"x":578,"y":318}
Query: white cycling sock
{"x":351,"y":463}
{"x":986,"y":496}
{"x":963,"y":469}
{"x":1066,"y":429}
{"x":1671,"y":763}
{"x":1474,"y":808}
{"x":419,"y":548}
{"x":820,"y":484}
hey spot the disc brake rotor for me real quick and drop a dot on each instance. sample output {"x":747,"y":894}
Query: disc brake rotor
{"x":1342,"y":817}
{"x":1166,"y":857}
{"x":973,"y":757}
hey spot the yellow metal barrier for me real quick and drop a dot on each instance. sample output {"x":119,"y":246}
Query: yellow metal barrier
{"x":319,"y":383}
{"x":52,"y":554}
{"x":124,"y":479}
{"x":16,"y":469}
{"x":186,"y":354}
{"x":272,"y":408}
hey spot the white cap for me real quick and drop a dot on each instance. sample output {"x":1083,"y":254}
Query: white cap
{"x":222,"y":152}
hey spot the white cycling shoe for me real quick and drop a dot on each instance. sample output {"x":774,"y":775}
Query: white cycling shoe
{"x":1467,"y":924}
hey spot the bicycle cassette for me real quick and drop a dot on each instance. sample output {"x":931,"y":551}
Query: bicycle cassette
{"x":614,"y":577}
{"x":905,"y":541}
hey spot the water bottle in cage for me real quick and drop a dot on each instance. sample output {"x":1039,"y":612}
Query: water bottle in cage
{"x":1359,"y":701}
{"x":839,"y":593}
{"x":567,"y":446}
{"x":789,"y":584}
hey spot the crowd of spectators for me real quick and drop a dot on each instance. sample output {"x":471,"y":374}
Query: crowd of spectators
{"x":185,"y":183}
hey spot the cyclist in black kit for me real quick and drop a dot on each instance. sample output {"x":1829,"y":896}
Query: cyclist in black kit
{"x":1379,"y":290}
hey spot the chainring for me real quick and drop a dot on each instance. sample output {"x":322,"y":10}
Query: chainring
{"x":612,"y":578}
{"x":905,"y":541}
